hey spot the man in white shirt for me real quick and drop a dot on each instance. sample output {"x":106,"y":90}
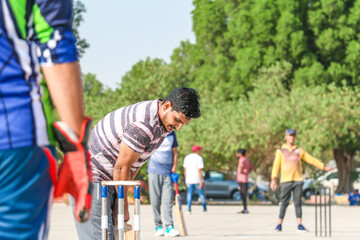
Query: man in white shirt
{"x":193,"y":165}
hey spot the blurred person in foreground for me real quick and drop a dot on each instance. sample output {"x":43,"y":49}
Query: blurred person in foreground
{"x":242,"y":177}
{"x":288,"y":159}
{"x":36,"y":39}
{"x":124,"y":140}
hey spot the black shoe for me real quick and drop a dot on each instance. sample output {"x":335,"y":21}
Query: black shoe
{"x":245,"y":211}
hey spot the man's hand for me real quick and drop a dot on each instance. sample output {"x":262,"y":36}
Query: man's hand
{"x":126,"y":212}
{"x":273,"y":184}
{"x":75,"y":176}
{"x":127,"y":157}
{"x":200,"y":185}
{"x":174,"y":177}
{"x":327,"y":169}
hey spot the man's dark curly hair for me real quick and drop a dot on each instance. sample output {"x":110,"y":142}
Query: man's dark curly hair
{"x":242,"y":151}
{"x":186,"y":101}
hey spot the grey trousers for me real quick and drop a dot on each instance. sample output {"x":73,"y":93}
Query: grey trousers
{"x":285,"y":193}
{"x":91,"y":229}
{"x":161,"y":193}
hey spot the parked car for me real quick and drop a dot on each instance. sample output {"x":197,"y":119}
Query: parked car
{"x":328,"y":179}
{"x":308,"y":187}
{"x":218,"y":185}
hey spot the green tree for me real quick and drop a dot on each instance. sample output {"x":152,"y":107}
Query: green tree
{"x":78,"y":11}
{"x":260,"y":67}
{"x":331,"y":123}
{"x":150,"y":79}
{"x":235,"y":39}
{"x":92,"y":86}
{"x":325,"y":117}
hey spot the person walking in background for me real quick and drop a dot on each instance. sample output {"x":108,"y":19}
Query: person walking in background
{"x":193,"y":165}
{"x":242,"y":176}
{"x":288,"y":159}
{"x":162,"y":163}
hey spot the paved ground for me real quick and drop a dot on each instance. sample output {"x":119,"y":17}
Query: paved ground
{"x":222,"y":222}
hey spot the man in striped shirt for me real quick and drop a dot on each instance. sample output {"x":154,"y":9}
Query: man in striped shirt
{"x":125,"y":138}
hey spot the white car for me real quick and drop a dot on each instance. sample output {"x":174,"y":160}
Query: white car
{"x":331,"y":179}
{"x":327,"y":180}
{"x":308,"y":187}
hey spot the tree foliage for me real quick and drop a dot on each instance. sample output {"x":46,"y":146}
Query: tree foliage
{"x":91,"y":85}
{"x":235,"y":39}
{"x":78,"y":11}
{"x":260,"y":67}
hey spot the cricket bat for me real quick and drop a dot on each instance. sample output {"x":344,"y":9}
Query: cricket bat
{"x":128,"y":232}
{"x":179,"y":214}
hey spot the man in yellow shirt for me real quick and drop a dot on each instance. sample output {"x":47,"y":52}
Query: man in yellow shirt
{"x":288,"y":158}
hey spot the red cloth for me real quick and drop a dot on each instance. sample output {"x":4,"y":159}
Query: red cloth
{"x":243,"y":176}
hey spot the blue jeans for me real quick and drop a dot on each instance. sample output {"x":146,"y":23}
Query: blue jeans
{"x":190,"y":191}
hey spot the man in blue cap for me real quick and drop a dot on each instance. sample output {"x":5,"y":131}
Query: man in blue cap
{"x":288,"y":158}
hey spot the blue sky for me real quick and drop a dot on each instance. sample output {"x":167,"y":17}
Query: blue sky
{"x":121,"y":33}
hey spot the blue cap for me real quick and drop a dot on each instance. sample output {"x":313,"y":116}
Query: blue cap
{"x":290,"y":131}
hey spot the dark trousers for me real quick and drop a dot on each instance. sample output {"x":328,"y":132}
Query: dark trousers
{"x":285,"y":193}
{"x":244,"y":186}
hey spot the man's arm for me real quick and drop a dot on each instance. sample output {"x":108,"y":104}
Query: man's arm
{"x":200,"y":178}
{"x":58,"y":57}
{"x":65,"y":86}
{"x":275,"y":170}
{"x":185,"y":174}
{"x":238,"y":169}
{"x":121,"y":172}
{"x":241,"y":166}
{"x":315,"y":162}
{"x":175,"y":159}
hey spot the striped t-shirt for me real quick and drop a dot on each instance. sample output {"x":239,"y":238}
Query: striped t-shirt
{"x":140,"y":128}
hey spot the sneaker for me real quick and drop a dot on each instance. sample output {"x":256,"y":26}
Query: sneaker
{"x":245,"y":211}
{"x":204,"y":212}
{"x":301,"y":228}
{"x":278,"y":228}
{"x":159,"y":231}
{"x":188,"y":212}
{"x":171,"y":232}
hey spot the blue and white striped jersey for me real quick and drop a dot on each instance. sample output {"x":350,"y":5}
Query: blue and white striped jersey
{"x":32,"y":33}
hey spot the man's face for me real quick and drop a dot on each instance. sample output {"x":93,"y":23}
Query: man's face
{"x":198,"y":152}
{"x":290,"y":139}
{"x":172,"y":119}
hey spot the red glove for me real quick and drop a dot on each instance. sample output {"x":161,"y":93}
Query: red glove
{"x":75,"y":176}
